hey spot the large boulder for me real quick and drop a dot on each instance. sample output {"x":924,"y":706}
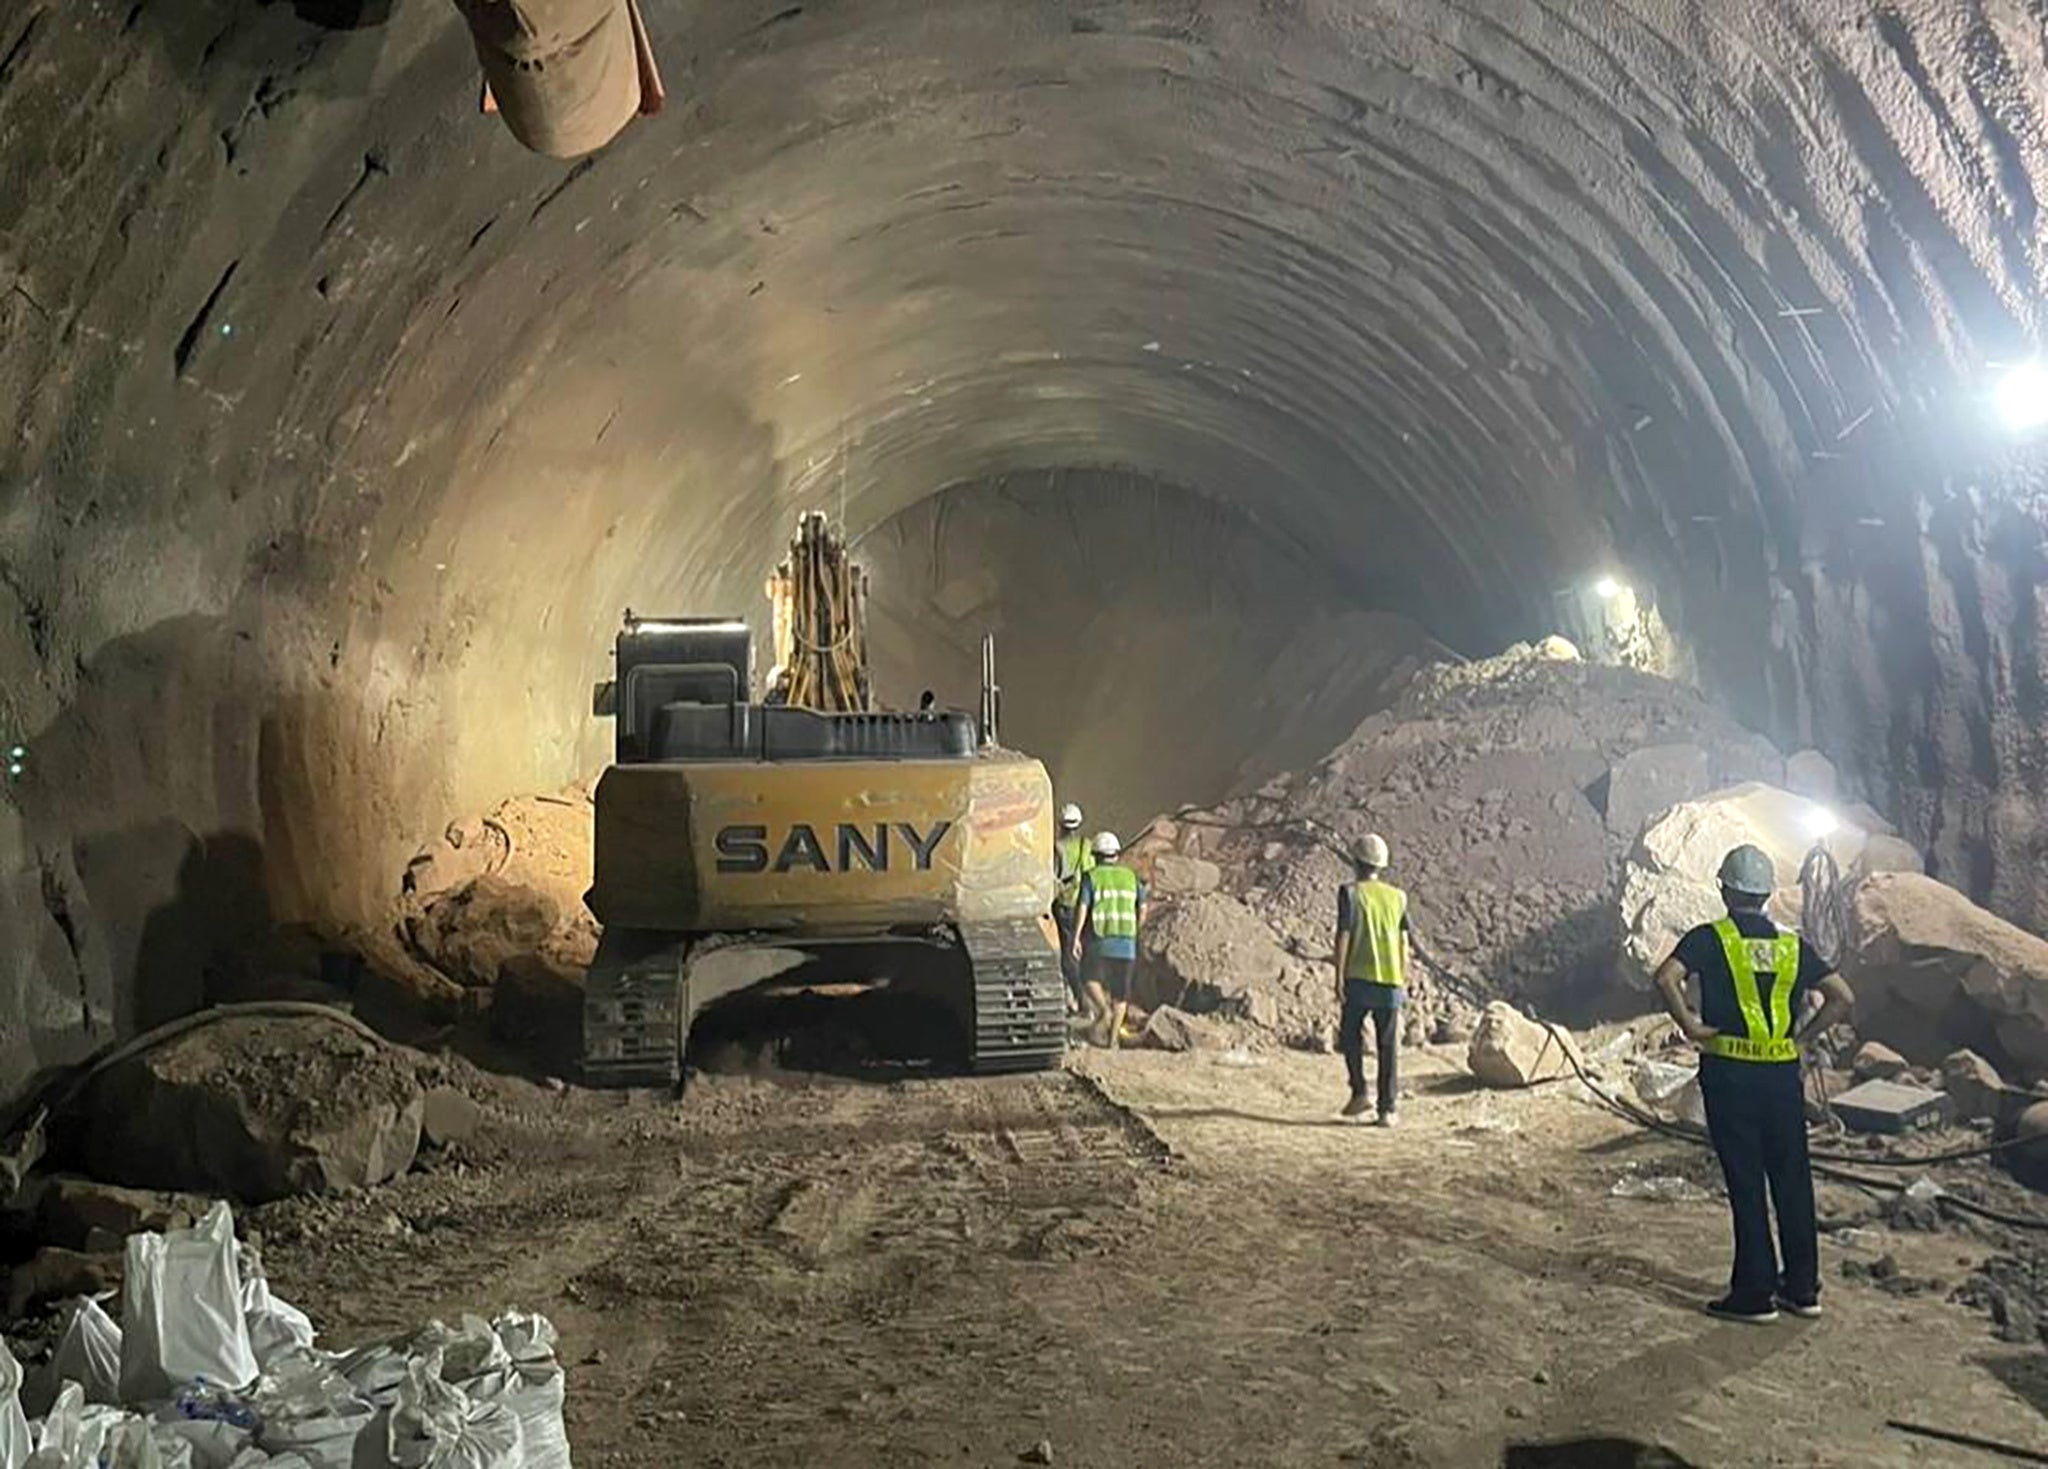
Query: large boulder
{"x":255,"y":1108}
{"x":1648,"y":782}
{"x":1669,"y":883}
{"x":1933,"y":971}
{"x":1511,"y":1050}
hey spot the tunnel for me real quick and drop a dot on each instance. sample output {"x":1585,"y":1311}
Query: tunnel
{"x":1219,"y":357}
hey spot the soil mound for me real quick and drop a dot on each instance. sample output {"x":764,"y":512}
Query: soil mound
{"x":256,"y":1108}
{"x":1511,"y":790}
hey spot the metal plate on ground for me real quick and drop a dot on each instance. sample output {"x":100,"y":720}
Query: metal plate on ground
{"x":1891,"y":1106}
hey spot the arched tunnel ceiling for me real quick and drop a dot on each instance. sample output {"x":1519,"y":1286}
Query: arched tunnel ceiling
{"x":341,"y":429}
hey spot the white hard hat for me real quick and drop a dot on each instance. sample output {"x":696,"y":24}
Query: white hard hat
{"x":1106,"y":844}
{"x":1070,"y":816}
{"x":1372,"y":850}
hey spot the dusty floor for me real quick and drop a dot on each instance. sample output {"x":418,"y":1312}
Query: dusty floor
{"x":1148,"y":1260}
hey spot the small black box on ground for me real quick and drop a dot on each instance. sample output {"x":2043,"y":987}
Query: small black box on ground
{"x":1891,"y":1106}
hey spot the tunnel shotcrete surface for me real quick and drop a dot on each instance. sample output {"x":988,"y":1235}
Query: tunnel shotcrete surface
{"x":339,"y":429}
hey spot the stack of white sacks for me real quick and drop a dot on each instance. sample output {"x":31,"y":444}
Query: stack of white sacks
{"x":208,"y":1370}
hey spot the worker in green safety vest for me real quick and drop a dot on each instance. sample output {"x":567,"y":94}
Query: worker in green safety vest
{"x":1105,"y":944}
{"x":1071,"y":860}
{"x":1372,"y":977}
{"x":1754,"y":979}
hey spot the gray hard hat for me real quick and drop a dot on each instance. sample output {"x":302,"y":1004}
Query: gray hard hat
{"x":1748,"y":869}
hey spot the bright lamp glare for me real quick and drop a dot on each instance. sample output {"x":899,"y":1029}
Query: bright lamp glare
{"x":1607,"y":589}
{"x":1821,"y":822}
{"x":2022,"y":397}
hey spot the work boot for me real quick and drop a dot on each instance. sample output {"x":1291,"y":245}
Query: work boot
{"x":1728,"y":1308}
{"x":1358,"y":1106}
{"x":1390,"y":1118}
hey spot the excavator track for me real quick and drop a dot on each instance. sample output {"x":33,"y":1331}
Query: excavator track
{"x":1020,"y":1004}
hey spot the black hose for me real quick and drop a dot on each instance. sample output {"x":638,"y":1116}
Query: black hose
{"x":1823,"y":1163}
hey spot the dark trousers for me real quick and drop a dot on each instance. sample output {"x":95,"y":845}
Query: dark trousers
{"x":1363,"y":998}
{"x":1070,"y":967}
{"x":1756,"y":1114}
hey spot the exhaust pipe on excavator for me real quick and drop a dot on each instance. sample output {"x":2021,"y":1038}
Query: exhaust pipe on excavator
{"x":991,"y":692}
{"x":565,"y":75}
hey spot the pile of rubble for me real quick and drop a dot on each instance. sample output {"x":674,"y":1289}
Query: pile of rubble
{"x":205,"y":1368}
{"x":491,"y":918}
{"x":1512,"y":790}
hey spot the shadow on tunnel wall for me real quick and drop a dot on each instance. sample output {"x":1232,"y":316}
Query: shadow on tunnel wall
{"x":246,"y":63}
{"x":143,"y":821}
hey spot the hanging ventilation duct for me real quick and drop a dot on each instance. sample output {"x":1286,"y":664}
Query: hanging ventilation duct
{"x":566,"y":75}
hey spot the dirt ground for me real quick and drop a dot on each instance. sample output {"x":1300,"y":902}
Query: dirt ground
{"x":1145,"y":1260}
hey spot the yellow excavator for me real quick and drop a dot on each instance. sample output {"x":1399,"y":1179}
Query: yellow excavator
{"x":807,"y":841}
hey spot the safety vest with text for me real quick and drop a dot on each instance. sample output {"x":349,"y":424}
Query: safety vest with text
{"x":1113,"y":901}
{"x":1377,"y":911}
{"x":1072,"y":858}
{"x":1767,"y":1021}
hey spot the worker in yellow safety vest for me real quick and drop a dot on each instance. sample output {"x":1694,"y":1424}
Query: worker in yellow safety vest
{"x":1106,"y":929}
{"x":1754,"y":978}
{"x":1071,"y":859}
{"x":1372,"y":976}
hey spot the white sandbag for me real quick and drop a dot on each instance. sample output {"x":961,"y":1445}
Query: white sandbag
{"x":257,"y":1459}
{"x":15,"y":1442}
{"x":308,"y":1408}
{"x":274,"y":1325}
{"x":527,"y":1336}
{"x":214,"y":1444}
{"x":88,"y":1352}
{"x":534,"y":1392}
{"x":134,"y":1443}
{"x":376,"y":1371}
{"x":436,"y":1425}
{"x":532,"y":1386}
{"x":181,"y":1311}
{"x":74,"y":1432}
{"x":471,"y":1348}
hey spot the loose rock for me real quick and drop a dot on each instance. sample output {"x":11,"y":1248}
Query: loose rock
{"x":1973,"y":1083}
{"x":1876,"y":1061}
{"x":1168,"y":1029}
{"x":55,"y":1274}
{"x":448,"y":1117}
{"x":72,"y":1209}
{"x":1510,"y":1050}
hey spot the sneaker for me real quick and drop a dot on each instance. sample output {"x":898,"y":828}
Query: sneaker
{"x":1358,"y":1106}
{"x":1729,"y":1309}
{"x":1390,"y":1118}
{"x":1806,"y":1310}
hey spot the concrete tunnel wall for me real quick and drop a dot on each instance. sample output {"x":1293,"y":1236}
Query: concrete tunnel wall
{"x":339,"y":429}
